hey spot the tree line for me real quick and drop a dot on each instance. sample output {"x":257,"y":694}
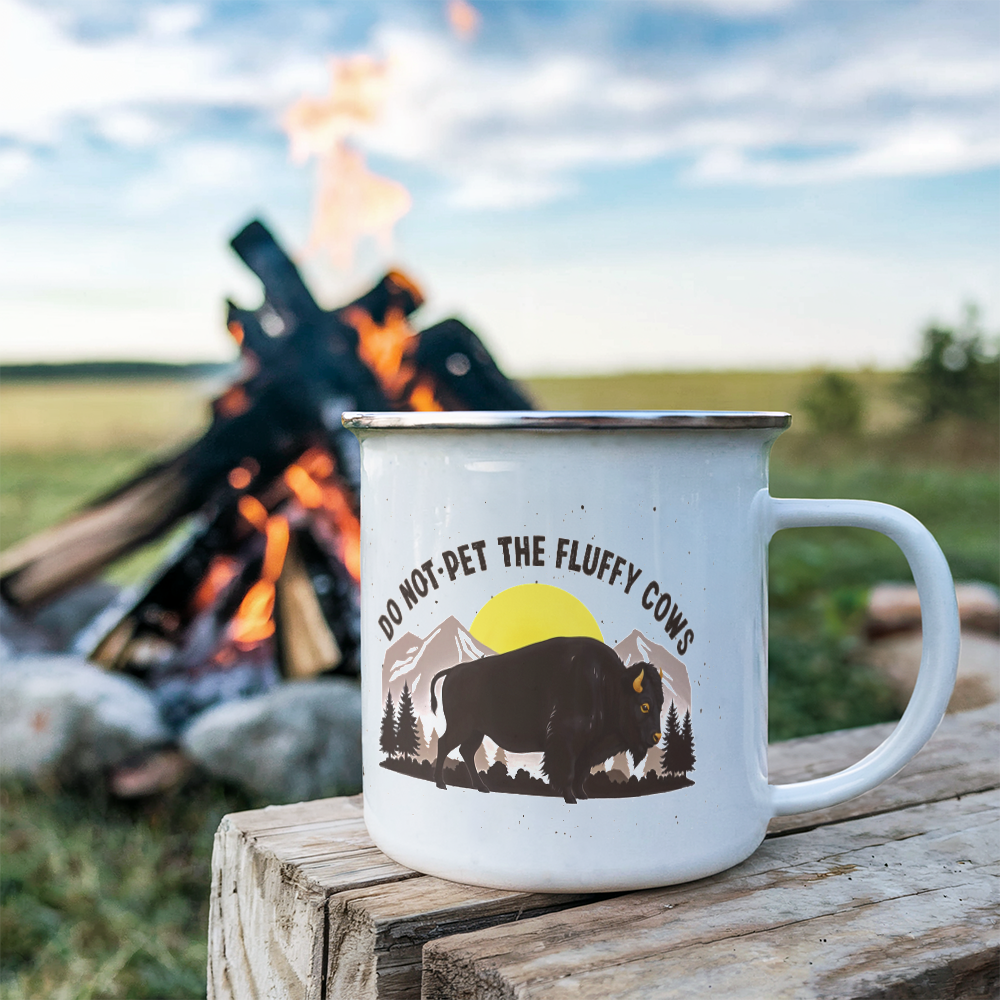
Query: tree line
{"x":399,"y":736}
{"x":678,"y":751}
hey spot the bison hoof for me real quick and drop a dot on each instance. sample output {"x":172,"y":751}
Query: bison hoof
{"x":483,"y":788}
{"x":440,"y":784}
{"x":570,"y":799}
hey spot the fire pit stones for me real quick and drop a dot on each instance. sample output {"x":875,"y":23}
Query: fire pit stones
{"x":219,"y":650}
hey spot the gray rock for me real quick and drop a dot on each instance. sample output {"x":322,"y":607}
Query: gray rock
{"x":64,"y":717}
{"x":300,"y":741}
{"x":66,"y":616}
{"x":20,"y":635}
{"x":895,"y":607}
{"x":977,"y":684}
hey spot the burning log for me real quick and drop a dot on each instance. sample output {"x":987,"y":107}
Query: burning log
{"x":455,"y":361}
{"x":302,"y":372}
{"x":268,"y":577}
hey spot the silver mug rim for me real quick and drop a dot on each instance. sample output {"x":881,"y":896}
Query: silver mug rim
{"x":565,"y":420}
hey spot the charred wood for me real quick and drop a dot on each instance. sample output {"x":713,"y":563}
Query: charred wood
{"x":465,"y":375}
{"x":291,"y":397}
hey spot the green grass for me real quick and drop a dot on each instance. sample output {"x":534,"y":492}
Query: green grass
{"x":105,"y":899}
{"x":716,"y":391}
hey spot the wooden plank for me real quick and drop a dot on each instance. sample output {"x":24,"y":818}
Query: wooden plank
{"x":301,"y":895}
{"x":873,"y":903}
{"x":962,"y":757}
{"x":272,"y":872}
{"x":377,"y":934}
{"x":281,"y":923}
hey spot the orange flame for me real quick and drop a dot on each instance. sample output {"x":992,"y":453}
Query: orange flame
{"x":239,"y":478}
{"x":463,"y":18}
{"x":254,"y":619}
{"x":222,"y":570}
{"x":358,"y":86}
{"x":313,"y":481}
{"x":351,"y":202}
{"x":233,"y":402}
{"x":384,"y":349}
{"x":422,"y":397}
{"x":276,"y":547}
{"x":254,"y":511}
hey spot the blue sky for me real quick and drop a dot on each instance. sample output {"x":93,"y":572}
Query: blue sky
{"x":597,"y":186}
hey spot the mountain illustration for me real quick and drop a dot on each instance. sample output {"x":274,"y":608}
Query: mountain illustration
{"x":637,"y":648}
{"x":414,"y":661}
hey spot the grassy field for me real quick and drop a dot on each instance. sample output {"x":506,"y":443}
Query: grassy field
{"x":716,"y":391}
{"x":106,"y":899}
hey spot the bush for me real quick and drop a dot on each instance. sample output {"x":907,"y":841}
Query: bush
{"x":834,"y":405}
{"x":956,"y":374}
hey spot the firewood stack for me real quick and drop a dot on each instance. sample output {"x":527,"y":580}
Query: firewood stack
{"x":265,"y":584}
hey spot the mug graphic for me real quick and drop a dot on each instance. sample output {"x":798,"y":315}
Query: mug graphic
{"x":564,"y":644}
{"x":564,"y":714}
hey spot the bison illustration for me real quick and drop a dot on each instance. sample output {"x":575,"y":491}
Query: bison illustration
{"x":571,"y":697}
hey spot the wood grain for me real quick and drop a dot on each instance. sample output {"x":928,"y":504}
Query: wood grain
{"x":963,"y":756}
{"x":304,"y":905}
{"x":377,"y":934}
{"x":839,"y":911}
{"x":272,"y":872}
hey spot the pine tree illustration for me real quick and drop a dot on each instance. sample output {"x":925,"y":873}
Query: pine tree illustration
{"x":387,"y":740}
{"x":501,"y":757}
{"x":406,"y":727}
{"x":672,"y":760}
{"x":687,"y":744}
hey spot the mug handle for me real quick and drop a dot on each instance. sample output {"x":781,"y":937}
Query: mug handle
{"x":939,"y":656}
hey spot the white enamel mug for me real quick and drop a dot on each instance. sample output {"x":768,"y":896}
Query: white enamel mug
{"x":564,"y":644}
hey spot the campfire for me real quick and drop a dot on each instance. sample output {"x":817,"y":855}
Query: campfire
{"x":264,"y":585}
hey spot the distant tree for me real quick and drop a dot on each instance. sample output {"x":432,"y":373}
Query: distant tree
{"x":431,"y":753}
{"x":687,"y":744}
{"x":672,"y":760}
{"x":957,"y":373}
{"x":387,"y":739}
{"x":497,"y":774}
{"x":501,"y":758}
{"x":407,"y":743}
{"x":834,"y":405}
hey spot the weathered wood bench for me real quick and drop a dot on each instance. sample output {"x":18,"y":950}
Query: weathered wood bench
{"x":894,"y":894}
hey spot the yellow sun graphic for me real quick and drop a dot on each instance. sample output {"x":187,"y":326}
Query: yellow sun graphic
{"x":530,"y":613}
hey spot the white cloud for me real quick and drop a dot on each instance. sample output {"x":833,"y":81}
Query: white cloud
{"x":898,"y":91}
{"x":727,"y":309}
{"x":49,"y":78}
{"x":130,"y":128}
{"x":190,"y":170}
{"x":733,"y":8}
{"x":896,"y":99}
{"x":174,"y":19}
{"x":14,"y":164}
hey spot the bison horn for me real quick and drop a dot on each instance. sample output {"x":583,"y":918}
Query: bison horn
{"x":661,"y":675}
{"x":637,"y":683}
